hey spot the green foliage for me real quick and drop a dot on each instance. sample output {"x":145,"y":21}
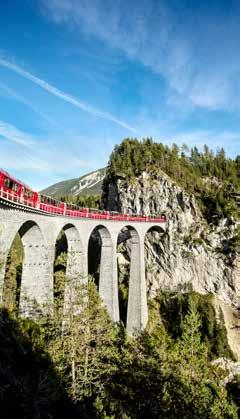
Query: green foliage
{"x":123,"y":283}
{"x":12,"y":280}
{"x":193,"y":388}
{"x":158,"y":376}
{"x":233,"y":389}
{"x":29,"y":386}
{"x":82,"y":345}
{"x":85,"y":201}
{"x":172,"y":308}
{"x":212,"y":177}
{"x":233,"y":244}
{"x":91,"y":366}
{"x":60,"y":265}
{"x":77,"y":363}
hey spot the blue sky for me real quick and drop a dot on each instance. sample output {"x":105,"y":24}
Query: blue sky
{"x":78,"y":76}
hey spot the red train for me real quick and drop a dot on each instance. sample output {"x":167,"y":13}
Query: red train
{"x":13,"y":190}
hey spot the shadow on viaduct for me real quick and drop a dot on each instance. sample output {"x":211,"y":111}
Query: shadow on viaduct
{"x":39,"y":233}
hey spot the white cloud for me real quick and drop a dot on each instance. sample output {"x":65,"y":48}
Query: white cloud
{"x":22,"y":151}
{"x":64,"y":96}
{"x":21,"y":162}
{"x":214,"y":139}
{"x":196,"y":51}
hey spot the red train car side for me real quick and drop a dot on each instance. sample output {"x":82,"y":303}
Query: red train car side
{"x":14,"y":190}
{"x":48,"y":204}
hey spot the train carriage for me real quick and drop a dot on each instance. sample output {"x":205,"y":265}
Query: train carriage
{"x":49,"y":204}
{"x":14,"y":190}
{"x":17,"y":191}
{"x":73,"y":210}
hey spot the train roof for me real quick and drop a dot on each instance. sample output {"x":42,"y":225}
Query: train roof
{"x":15,"y":179}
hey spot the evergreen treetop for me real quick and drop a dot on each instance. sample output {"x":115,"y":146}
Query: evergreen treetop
{"x":212,"y":177}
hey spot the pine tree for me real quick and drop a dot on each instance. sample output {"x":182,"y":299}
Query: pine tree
{"x":82,"y":346}
{"x":193,"y":388}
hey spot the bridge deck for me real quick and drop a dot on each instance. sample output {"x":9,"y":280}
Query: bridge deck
{"x":12,"y":199}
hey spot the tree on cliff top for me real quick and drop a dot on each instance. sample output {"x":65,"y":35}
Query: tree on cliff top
{"x":212,"y":177}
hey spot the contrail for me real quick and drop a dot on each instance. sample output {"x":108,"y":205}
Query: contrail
{"x":64,"y":96}
{"x":26,"y":102}
{"x":13,"y":134}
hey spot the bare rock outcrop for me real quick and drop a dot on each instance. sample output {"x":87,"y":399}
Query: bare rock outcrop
{"x":191,"y":254}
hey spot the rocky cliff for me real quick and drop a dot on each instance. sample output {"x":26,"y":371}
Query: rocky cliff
{"x":191,"y":254}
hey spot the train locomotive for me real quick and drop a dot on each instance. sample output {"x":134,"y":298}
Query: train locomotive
{"x":11,"y":189}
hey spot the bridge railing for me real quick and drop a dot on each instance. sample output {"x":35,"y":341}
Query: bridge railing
{"x":51,"y":209}
{"x":13,"y":197}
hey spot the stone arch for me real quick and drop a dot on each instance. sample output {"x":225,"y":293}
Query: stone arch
{"x":157,"y":228}
{"x":36,"y":278}
{"x":101,"y":243}
{"x":152,"y":252}
{"x":137,"y":299}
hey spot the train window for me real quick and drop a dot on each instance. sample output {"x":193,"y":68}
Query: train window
{"x":95,"y":210}
{"x":29,"y":194}
{"x":44,"y":199}
{"x":8,"y":183}
{"x":72,"y":207}
{"x":55,"y":203}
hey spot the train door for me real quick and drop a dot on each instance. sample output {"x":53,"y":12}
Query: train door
{"x":22,"y":194}
{"x":64,"y":208}
{"x":36,"y":200}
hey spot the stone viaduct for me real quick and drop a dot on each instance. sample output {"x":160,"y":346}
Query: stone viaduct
{"x":39,"y":232}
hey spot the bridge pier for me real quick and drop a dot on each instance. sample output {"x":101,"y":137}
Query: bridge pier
{"x":108,"y":275}
{"x":108,"y":281}
{"x":137,"y":311}
{"x":36,"y":296}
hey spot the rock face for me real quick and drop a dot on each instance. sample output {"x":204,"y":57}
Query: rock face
{"x":232,"y":367}
{"x":192,"y":254}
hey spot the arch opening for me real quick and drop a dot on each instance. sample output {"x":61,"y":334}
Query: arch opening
{"x":153,"y":247}
{"x":99,"y":253}
{"x":13,"y":275}
{"x":68,"y":265}
{"x":127,"y":250}
{"x":102,"y":263}
{"x":59,"y":272}
{"x":94,"y":255}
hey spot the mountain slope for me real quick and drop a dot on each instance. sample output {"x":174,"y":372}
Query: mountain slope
{"x":89,"y":184}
